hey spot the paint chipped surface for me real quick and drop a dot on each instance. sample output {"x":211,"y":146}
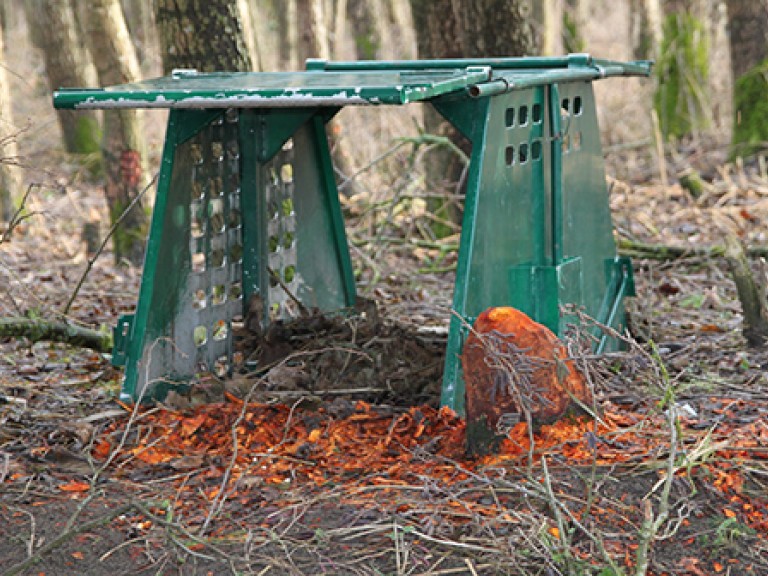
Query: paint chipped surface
{"x":272,"y":90}
{"x":342,"y":84}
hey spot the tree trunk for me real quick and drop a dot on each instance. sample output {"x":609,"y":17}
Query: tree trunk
{"x":313,"y":32}
{"x":246,"y":17}
{"x":206,"y":35}
{"x":264,"y":23}
{"x":748,"y":26}
{"x":288,"y":28}
{"x":404,"y":33}
{"x":552,"y":27}
{"x":54,"y":32}
{"x":141,"y":25}
{"x":368,"y":28}
{"x":682,"y":70}
{"x":575,"y":22}
{"x":457,"y":29}
{"x":9,"y":177}
{"x":123,"y":143}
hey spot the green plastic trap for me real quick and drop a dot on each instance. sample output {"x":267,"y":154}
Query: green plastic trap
{"x":247,"y":204}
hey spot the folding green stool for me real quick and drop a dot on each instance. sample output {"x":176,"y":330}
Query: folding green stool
{"x":247,"y":202}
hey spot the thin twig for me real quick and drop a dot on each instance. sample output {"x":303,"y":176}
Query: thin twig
{"x":66,"y":536}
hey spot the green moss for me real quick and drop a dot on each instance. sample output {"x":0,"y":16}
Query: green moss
{"x":682,"y":71}
{"x":573,"y":41}
{"x":750,"y":106}
{"x":87,"y":138}
{"x":367,"y":46}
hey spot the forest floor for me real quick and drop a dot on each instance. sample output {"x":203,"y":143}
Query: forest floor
{"x":340,"y":460}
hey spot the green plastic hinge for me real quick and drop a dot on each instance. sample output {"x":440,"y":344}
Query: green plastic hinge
{"x":121,"y":336}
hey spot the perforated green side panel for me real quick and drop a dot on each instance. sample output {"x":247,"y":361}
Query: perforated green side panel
{"x":227,"y":226}
{"x":537,"y":229}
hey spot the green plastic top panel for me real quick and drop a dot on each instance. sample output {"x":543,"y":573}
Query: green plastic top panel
{"x":343,"y":83}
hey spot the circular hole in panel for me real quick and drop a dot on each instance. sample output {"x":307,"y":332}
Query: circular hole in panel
{"x":289,"y":273}
{"x":273,"y":209}
{"x":509,"y":117}
{"x":199,"y":300}
{"x":536,"y":150}
{"x":523,"y":115}
{"x":197,"y":229}
{"x":234,"y":218}
{"x":536,"y":113}
{"x":274,"y":311}
{"x":523,"y":153}
{"x":236,"y":252}
{"x":566,"y":104}
{"x":288,"y":240}
{"x":200,"y":335}
{"x":221,"y":366}
{"x":219,"y":294}
{"x":272,"y":281}
{"x":509,"y":155}
{"x":196,"y":153}
{"x":287,"y":207}
{"x":286,"y":173}
{"x":220,"y":330}
{"x":232,"y":115}
{"x":578,"y":106}
{"x":217,"y":223}
{"x":235,"y":291}
{"x":217,"y":151}
{"x":233,"y":150}
{"x":274,"y":243}
{"x":216,"y":215}
{"x":216,"y":186}
{"x":217,"y":258}
{"x":198,"y":262}
{"x":197,"y":190}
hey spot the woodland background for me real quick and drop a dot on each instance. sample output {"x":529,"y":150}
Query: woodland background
{"x":57,"y":43}
{"x":670,"y":479}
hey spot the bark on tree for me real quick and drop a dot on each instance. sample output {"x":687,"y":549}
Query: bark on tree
{"x":141,"y":25}
{"x":458,"y":29}
{"x":549,"y":15}
{"x":368,"y":27}
{"x":288,"y":32}
{"x":264,"y":25}
{"x":751,"y":295}
{"x":401,"y":24}
{"x":748,"y":27}
{"x":485,"y":28}
{"x":575,"y":22}
{"x":123,"y":144}
{"x":312,"y":30}
{"x":9,"y":177}
{"x":245,"y":16}
{"x":54,"y":32}
{"x":203,"y":34}
{"x":682,"y":70}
